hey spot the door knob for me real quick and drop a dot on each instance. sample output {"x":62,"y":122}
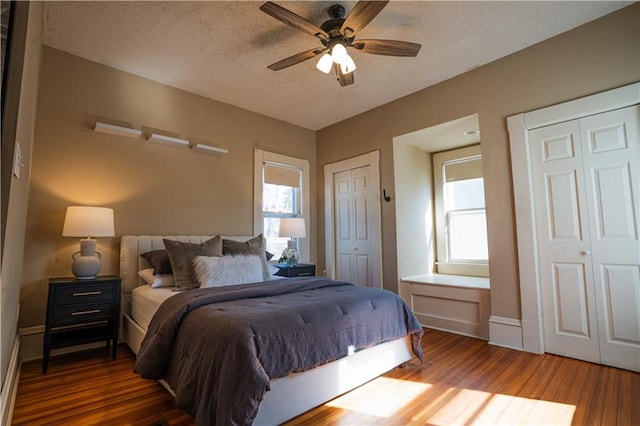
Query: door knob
{"x":586,"y":252}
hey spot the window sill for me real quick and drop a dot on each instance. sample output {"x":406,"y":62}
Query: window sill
{"x":450,"y":280}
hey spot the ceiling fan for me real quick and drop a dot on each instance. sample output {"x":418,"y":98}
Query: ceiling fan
{"x":336,"y":35}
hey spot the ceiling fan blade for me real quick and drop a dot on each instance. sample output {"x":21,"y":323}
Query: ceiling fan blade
{"x":343,"y":79}
{"x":387,"y":47}
{"x":288,"y":17}
{"x":361,"y":14}
{"x":296,"y":59}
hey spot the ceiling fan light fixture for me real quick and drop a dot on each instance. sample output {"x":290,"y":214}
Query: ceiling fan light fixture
{"x":347,"y":65}
{"x":325,"y":63}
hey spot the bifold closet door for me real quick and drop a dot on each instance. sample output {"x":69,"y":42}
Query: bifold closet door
{"x":585,"y":180}
{"x":352,"y":193}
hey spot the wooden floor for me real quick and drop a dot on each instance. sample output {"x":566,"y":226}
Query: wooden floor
{"x":461,"y":381}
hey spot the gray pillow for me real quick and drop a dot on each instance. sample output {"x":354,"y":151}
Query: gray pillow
{"x":254,"y":246}
{"x":182,"y":254}
{"x":159,"y":259}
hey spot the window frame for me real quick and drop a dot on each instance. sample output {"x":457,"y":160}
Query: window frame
{"x":444,"y":264}
{"x":262,"y":158}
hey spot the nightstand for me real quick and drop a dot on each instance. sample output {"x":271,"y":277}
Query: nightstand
{"x":297,"y":270}
{"x":81,"y":311}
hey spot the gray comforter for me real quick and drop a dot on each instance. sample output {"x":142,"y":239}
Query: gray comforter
{"x":219,"y":347}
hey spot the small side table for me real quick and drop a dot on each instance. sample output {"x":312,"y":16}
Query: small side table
{"x":297,"y":270}
{"x":81,"y":311}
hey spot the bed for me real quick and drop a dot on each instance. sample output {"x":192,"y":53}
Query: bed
{"x":286,"y":397}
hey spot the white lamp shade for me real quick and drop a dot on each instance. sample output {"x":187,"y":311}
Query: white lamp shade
{"x":83,"y":221}
{"x":292,"y":227}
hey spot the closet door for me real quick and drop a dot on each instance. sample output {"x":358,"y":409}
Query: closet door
{"x":353,"y":227}
{"x":585,"y":178}
{"x":611,"y":158}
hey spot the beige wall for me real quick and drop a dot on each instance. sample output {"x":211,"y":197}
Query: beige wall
{"x":154,"y":189}
{"x":601,"y":55}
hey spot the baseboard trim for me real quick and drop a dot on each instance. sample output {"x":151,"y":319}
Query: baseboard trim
{"x":10,"y":385}
{"x":33,"y":344}
{"x":505,"y":332}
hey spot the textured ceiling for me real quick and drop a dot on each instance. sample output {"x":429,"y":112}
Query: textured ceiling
{"x":221,"y":49}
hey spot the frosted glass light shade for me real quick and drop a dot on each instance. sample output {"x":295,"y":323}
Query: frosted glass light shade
{"x":84,"y":221}
{"x":347,"y":65}
{"x":292,"y":227}
{"x":325,"y":63}
{"x":339,"y":53}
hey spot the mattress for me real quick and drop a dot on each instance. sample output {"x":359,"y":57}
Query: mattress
{"x":145,"y":301}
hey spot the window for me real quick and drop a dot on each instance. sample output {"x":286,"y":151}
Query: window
{"x":461,"y":225}
{"x":281,"y":188}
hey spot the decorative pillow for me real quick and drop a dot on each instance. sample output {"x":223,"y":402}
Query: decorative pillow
{"x":227,"y":270}
{"x":159,"y":259}
{"x":156,"y":281}
{"x":181,"y":254}
{"x":254,"y":246}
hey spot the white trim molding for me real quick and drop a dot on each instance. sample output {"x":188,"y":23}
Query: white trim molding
{"x":519,"y":126}
{"x":505,"y":332}
{"x":10,"y":385}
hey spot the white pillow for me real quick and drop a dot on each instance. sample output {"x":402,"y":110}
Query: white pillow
{"x":218,"y":271}
{"x":155,"y":281}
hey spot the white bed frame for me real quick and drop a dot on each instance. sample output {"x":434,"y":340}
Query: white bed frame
{"x":289,"y":396}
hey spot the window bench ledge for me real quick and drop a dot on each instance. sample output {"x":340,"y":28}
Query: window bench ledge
{"x":450,"y":280}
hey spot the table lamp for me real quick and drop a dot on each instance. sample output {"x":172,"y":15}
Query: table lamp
{"x":83,"y":221}
{"x":292,"y":227}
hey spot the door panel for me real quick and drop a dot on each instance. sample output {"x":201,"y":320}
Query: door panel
{"x":571,"y":310}
{"x":361,"y":213}
{"x":363,"y":269}
{"x":613,"y":209}
{"x":343,"y":225}
{"x":621,"y":284}
{"x":563,"y":210}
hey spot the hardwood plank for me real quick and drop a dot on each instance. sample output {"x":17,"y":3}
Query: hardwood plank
{"x":462,"y":381}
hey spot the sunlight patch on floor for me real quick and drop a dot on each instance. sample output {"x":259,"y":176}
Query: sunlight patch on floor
{"x":381,"y":397}
{"x":471,"y":407}
{"x":384,"y":397}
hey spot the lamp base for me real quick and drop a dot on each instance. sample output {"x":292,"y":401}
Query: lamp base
{"x":85,"y":267}
{"x":86,"y":262}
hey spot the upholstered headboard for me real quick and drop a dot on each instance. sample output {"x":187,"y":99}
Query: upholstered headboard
{"x":132,"y":246}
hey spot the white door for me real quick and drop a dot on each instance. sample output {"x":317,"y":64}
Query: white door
{"x":585,"y":179}
{"x":352,"y":230}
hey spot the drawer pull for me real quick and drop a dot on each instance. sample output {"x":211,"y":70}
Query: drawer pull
{"x":87,"y":293}
{"x":302,"y":274}
{"x":93,"y":311}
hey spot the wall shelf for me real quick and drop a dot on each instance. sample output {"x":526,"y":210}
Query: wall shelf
{"x":112,"y":129}
{"x":210,"y":149}
{"x":158,"y":138}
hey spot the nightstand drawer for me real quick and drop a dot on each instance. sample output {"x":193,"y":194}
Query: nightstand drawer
{"x":84,"y":293}
{"x":71,"y":314}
